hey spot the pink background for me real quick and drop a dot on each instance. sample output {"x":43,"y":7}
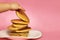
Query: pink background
{"x":44,"y":16}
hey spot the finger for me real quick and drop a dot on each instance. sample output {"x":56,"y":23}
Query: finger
{"x":22,"y":8}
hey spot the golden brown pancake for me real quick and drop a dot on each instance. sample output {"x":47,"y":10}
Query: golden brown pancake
{"x":25,"y":34}
{"x":24,"y":30}
{"x":18,"y":21}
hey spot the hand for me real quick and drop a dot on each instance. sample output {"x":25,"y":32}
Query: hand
{"x":16,"y":6}
{"x":10,"y":6}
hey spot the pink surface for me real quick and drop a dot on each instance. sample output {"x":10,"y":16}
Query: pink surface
{"x":44,"y":16}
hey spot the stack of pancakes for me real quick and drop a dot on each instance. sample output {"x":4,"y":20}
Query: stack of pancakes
{"x":19,"y":27}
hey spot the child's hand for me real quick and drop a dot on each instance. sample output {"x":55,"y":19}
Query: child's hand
{"x":15,"y":6}
{"x":10,"y":6}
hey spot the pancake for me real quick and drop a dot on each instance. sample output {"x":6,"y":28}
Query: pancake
{"x":24,"y":34}
{"x":24,"y":30}
{"x":18,"y":21}
{"x":19,"y":26}
{"x":12,"y":28}
{"x":22,"y":15}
